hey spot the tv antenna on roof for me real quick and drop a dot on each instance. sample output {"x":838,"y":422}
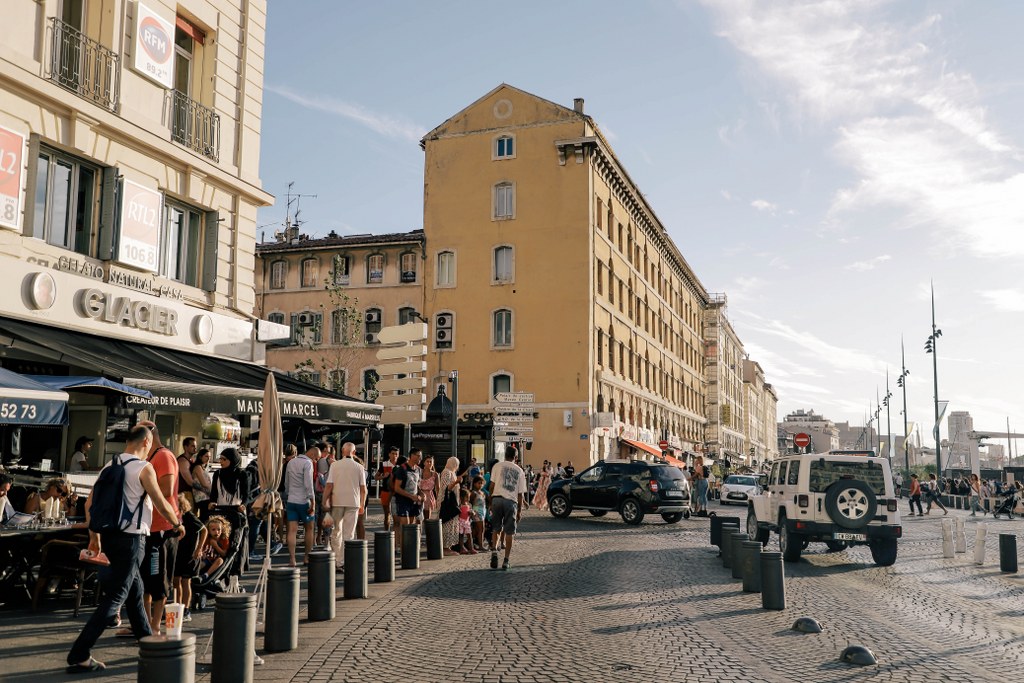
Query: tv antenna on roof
{"x":293,"y":200}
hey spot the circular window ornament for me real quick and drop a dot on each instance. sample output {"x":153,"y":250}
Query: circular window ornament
{"x":42,"y":291}
{"x":202,"y":329}
{"x":502,"y":109}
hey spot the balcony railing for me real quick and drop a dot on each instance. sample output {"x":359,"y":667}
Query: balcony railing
{"x":195,"y":126}
{"x":83,"y":66}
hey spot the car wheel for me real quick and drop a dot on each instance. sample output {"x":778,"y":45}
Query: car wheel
{"x":883,"y":552}
{"x":835,"y":546}
{"x":672,"y":517}
{"x":631,"y":512}
{"x":559,"y":505}
{"x":851,"y":503}
{"x":790,"y":543}
{"x":754,"y":530}
{"x":598,"y":513}
{"x":686,"y":515}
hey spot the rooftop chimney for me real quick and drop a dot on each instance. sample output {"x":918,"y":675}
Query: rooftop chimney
{"x":577,"y":105}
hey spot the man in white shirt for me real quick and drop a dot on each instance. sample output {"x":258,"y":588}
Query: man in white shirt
{"x":508,"y":500}
{"x":345,"y":496}
{"x":300,"y":497}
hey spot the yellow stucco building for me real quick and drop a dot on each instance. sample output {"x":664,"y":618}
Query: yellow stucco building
{"x":548,"y":272}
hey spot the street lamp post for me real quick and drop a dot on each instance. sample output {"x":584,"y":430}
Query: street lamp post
{"x":931,"y":346}
{"x":878,"y":419}
{"x":453,"y":377}
{"x":902,"y":383}
{"x":888,"y":419}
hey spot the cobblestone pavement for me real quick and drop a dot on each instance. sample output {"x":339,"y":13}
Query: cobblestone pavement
{"x":591,"y":599}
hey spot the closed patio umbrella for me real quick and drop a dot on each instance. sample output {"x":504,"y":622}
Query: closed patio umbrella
{"x":268,"y":464}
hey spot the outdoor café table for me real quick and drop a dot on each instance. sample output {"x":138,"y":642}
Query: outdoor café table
{"x":19,"y":553}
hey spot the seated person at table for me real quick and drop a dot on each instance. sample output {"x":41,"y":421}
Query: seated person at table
{"x":216,"y":546}
{"x":6,"y":509}
{"x":55,"y":488}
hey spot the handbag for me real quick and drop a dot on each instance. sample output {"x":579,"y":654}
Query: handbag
{"x":449,"y":506}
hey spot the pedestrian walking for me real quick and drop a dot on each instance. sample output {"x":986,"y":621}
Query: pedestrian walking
{"x":383,"y":475}
{"x":934,"y":495}
{"x":540,"y":499}
{"x":898,"y":484}
{"x":915,"y":496}
{"x":345,"y":498}
{"x":478,"y":499}
{"x":123,"y":543}
{"x":449,"y":485}
{"x":405,"y":478}
{"x":975,"y":489}
{"x":699,"y":483}
{"x":186,"y":566}
{"x":429,"y":484}
{"x":301,"y":501}
{"x":508,"y":500}
{"x":201,"y":483}
{"x":162,"y":543}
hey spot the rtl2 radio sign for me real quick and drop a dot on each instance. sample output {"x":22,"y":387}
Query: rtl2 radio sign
{"x":154,"y":46}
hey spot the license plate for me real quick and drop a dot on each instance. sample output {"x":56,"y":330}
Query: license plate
{"x":672,"y":493}
{"x":841,"y":536}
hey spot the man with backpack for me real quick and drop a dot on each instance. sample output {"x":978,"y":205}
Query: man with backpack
{"x":162,"y":544}
{"x":119,"y":512}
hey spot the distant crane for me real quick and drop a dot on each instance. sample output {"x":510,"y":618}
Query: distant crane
{"x":979,"y":436}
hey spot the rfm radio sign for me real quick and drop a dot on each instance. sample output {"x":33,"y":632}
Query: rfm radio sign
{"x":154,"y":50}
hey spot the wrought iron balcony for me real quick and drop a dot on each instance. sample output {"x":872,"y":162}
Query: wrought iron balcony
{"x":195,"y":126}
{"x":83,"y":66}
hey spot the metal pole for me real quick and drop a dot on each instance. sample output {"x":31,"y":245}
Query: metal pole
{"x":935,"y":377}
{"x":906,"y":428}
{"x":453,"y":377}
{"x":888,"y":420}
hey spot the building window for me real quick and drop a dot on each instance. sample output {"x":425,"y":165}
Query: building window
{"x":502,"y":328}
{"x":337,"y":380}
{"x":504,"y":200}
{"x":501,"y":382}
{"x":405,"y":315}
{"x":375,"y":269}
{"x":373,"y":321}
{"x":370,"y":379}
{"x":310,"y":272}
{"x":408,"y":265}
{"x":307,"y":328}
{"x":307,"y":376}
{"x":66,"y":190}
{"x":192,"y":124}
{"x":342,"y":269}
{"x":444,"y":330}
{"x":182,"y":243}
{"x":504,"y":147}
{"x":278,"y":270}
{"x":341,"y":327}
{"x":503,"y":264}
{"x":446,"y":269}
{"x":276,"y":318}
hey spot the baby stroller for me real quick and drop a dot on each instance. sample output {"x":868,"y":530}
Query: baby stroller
{"x":1007,"y":504}
{"x":217,"y":582}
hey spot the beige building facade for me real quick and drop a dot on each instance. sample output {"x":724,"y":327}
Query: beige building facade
{"x":726,"y":433}
{"x":130,"y":141}
{"x":548,"y":272}
{"x":335,"y":294}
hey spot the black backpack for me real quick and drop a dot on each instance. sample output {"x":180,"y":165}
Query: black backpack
{"x":109,"y":511}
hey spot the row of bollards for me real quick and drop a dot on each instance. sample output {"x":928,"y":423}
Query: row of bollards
{"x":760,"y":571}
{"x":172,"y":659}
{"x":954,"y":540}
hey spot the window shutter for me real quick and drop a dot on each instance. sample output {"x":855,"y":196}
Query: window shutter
{"x":110,"y":193}
{"x":27,"y":226}
{"x":211,"y":242}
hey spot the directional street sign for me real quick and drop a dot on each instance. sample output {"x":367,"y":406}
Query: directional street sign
{"x":406,"y":368}
{"x":514,"y":429}
{"x":516,"y":439}
{"x":403,"y":347}
{"x":403,"y":417}
{"x":401,"y":352}
{"x":508,"y":419}
{"x":403,"y":384}
{"x":514,"y":397}
{"x":398,"y":400}
{"x":395,"y":334}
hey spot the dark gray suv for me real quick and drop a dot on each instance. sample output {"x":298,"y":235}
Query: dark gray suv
{"x":631,"y":488}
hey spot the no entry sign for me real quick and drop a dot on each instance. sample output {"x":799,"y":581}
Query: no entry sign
{"x":802,"y":440}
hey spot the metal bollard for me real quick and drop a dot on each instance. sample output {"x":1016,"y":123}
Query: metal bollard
{"x":383,"y":556}
{"x":750,"y":554}
{"x":773,"y":581}
{"x":979,"y":544}
{"x":947,"y":538}
{"x":355,"y":570}
{"x":727,"y":529}
{"x":411,"y":546}
{"x":737,"y":539}
{"x":960,"y":536}
{"x":435,"y":549}
{"x":234,"y":638}
{"x":281,"y":631}
{"x":1008,"y":553}
{"x":320,"y":589}
{"x":716,"y":529}
{"x":167,"y":659}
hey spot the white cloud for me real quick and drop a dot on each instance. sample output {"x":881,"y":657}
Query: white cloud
{"x":726,"y":195}
{"x":764,"y":205}
{"x":1011,"y":300}
{"x":379,"y":123}
{"x":870,"y":264}
{"x":914,"y":130}
{"x":824,"y":353}
{"x":728,"y":134}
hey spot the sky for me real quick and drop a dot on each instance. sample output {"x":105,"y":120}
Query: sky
{"x":822,"y":163}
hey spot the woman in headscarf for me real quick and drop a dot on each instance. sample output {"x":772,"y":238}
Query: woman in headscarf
{"x":450,"y":482}
{"x":230,"y":491}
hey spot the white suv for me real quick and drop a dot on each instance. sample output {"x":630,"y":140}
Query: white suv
{"x":839,"y":498}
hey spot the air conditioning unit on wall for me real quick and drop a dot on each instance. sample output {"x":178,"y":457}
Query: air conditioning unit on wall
{"x":371,"y":317}
{"x":306,"y":319}
{"x":371,"y":338}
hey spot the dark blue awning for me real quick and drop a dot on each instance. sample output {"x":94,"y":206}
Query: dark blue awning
{"x":89,"y":384}
{"x":24,"y":401}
